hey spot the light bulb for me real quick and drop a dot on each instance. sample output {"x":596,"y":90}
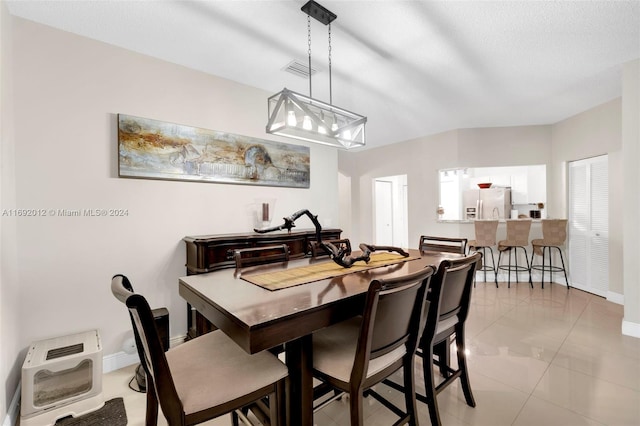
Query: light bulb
{"x":291,"y":118}
{"x":306,"y":123}
{"x":322,"y":130}
{"x":346,"y":134}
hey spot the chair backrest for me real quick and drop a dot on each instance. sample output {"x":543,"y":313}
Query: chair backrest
{"x":450,"y":295}
{"x":486,"y":231}
{"x":393,"y":317}
{"x":518,"y":232}
{"x":318,"y":251}
{"x":150,"y":349}
{"x":261,"y":255}
{"x":443,"y":244}
{"x":554,"y":231}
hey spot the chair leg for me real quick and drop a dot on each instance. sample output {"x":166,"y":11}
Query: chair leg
{"x":152,"y":405}
{"x":484,"y":261}
{"x":495,"y":270}
{"x":508,"y":274}
{"x":277,"y":405}
{"x":548,"y":249}
{"x":563,"y":268}
{"x":443,"y":351}
{"x":430,"y":388}
{"x":526,"y":258}
{"x":515,"y":254}
{"x":462,"y":366}
{"x":355,"y":405}
{"x":533,"y":253}
{"x":410,"y":391}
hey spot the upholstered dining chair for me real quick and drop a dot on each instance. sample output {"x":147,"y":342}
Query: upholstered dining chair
{"x":517,"y":238}
{"x":203,"y":378}
{"x":485,"y":238}
{"x":554,"y":235}
{"x":261,"y":255}
{"x":443,"y":244}
{"x":449,"y":299}
{"x":356,"y":354}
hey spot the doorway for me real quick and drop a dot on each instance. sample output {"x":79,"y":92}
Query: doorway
{"x":390,"y":201}
{"x":589,"y":225}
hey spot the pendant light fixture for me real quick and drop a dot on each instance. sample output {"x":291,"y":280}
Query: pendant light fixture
{"x":301,"y":117}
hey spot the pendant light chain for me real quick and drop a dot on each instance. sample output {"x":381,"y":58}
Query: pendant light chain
{"x":330,"y":91}
{"x":309,"y":42}
{"x":302,"y":117}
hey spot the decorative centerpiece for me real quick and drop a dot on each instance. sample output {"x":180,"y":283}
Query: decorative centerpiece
{"x":338,"y":255}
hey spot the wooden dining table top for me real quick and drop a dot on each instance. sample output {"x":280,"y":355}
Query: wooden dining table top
{"x":259,"y":319}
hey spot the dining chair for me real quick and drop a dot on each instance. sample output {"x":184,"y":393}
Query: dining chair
{"x":318,"y":251}
{"x":261,"y":255}
{"x":443,"y":244}
{"x":161,"y":319}
{"x":517,"y":238}
{"x":354,"y":355}
{"x":554,"y":235}
{"x":485,"y":238}
{"x":202,"y":378}
{"x":449,"y":299}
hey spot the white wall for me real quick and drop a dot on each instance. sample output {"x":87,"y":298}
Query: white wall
{"x":630,"y":185}
{"x":67,"y":91}
{"x":589,"y":134}
{"x":9,"y":291}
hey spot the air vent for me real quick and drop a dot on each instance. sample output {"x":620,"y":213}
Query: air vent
{"x":300,"y":69}
{"x":65,"y":351}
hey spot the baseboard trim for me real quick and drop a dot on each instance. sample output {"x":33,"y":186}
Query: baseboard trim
{"x":615,"y":297}
{"x":118,"y":360}
{"x":630,"y":329}
{"x":14,"y":409}
{"x":122,"y":359}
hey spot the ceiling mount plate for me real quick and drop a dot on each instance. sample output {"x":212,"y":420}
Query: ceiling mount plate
{"x":318,"y":12}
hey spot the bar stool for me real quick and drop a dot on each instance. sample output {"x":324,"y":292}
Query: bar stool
{"x":517,"y":238}
{"x":554,"y":235}
{"x":485,"y":239}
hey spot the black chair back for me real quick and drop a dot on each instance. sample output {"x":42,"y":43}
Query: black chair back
{"x":150,"y":349}
{"x":450,"y":296}
{"x":393,"y":317}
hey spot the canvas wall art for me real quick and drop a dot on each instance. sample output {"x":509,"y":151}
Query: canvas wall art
{"x":159,"y":150}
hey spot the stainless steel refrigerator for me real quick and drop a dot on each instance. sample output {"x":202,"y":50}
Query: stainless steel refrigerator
{"x":490,"y":203}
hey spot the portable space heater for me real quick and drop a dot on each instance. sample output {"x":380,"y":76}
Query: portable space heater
{"x":61,"y":377}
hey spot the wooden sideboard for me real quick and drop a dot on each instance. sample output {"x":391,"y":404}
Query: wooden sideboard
{"x":207,"y":253}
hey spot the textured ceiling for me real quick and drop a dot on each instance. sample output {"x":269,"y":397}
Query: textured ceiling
{"x":413,"y":68}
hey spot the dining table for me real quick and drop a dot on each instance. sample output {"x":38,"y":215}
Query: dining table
{"x":258,"y":317}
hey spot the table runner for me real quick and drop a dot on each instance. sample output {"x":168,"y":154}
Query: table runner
{"x":278,"y":280}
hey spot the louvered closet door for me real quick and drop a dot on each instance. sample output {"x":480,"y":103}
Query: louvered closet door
{"x":588,"y":244}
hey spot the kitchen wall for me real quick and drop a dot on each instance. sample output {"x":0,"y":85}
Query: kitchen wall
{"x":421,"y":159}
{"x":67,"y":91}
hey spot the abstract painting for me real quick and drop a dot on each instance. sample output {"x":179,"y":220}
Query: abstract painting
{"x":159,"y":150}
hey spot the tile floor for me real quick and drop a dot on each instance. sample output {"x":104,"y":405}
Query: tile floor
{"x":537,"y":357}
